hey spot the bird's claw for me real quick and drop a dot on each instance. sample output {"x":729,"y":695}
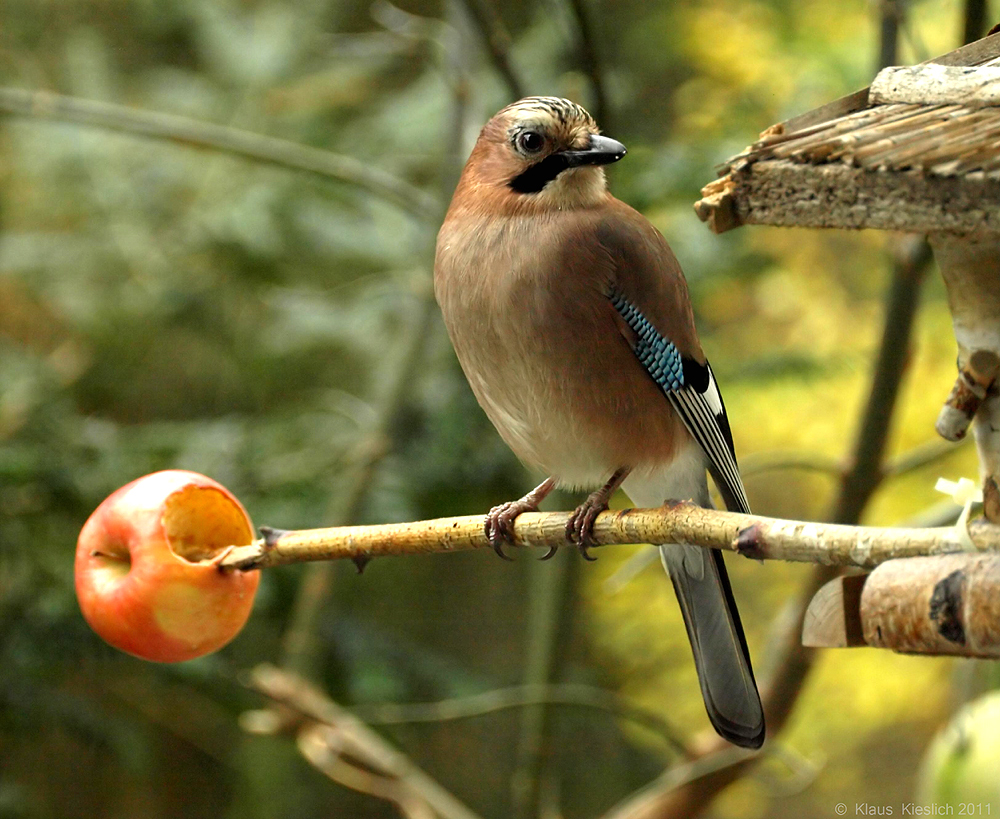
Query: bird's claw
{"x":499,"y":522}
{"x":499,"y":525}
{"x":580,"y":527}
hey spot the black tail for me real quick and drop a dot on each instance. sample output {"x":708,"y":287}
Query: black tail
{"x":720,"y":649}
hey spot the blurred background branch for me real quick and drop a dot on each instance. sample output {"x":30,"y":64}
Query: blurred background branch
{"x":587,"y":45}
{"x":565,"y":694}
{"x":497,"y":41}
{"x":185,"y":131}
{"x":345,"y":748}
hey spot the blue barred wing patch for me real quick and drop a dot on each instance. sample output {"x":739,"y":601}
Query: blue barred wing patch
{"x":694,"y":396}
{"x":660,"y":358}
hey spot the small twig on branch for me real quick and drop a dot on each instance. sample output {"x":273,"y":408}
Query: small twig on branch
{"x":187,"y":131}
{"x":353,"y":740}
{"x":753,"y":536}
{"x":321,"y":745}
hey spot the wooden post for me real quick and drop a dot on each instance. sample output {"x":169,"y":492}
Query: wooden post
{"x":971,"y":271}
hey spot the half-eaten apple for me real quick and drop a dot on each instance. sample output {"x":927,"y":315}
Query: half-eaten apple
{"x":148,"y":578}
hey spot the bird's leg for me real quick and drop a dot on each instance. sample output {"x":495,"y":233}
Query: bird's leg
{"x":499,"y":523}
{"x":580,"y":528}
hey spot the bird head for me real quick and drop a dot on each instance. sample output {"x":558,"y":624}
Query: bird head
{"x":540,"y":153}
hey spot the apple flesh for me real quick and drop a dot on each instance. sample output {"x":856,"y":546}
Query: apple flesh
{"x":147,"y":574}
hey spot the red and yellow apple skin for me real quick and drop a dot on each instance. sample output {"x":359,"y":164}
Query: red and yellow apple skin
{"x":147,"y":575}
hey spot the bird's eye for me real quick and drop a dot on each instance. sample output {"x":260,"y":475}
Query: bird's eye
{"x":531,"y":142}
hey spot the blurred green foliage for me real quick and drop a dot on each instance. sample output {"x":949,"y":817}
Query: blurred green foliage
{"x":166,"y":306}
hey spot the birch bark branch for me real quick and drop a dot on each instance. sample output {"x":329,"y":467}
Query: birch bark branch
{"x":752,"y":536}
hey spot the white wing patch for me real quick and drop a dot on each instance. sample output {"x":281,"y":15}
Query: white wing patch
{"x":712,"y":396}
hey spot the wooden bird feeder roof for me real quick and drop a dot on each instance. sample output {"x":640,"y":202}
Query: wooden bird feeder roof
{"x":918,"y":151}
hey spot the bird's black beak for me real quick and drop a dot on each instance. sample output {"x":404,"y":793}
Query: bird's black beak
{"x":602,"y":151}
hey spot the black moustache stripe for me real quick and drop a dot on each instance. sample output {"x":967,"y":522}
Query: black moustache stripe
{"x":540,"y":174}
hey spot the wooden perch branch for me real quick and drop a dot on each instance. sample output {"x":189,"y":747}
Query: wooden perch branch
{"x":752,"y":536}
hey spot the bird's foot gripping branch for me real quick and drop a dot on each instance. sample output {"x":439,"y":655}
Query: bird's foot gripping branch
{"x":175,"y":543}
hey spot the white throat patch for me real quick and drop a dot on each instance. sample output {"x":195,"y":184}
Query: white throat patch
{"x":582,"y":187}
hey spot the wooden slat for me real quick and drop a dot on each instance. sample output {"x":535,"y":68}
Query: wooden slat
{"x":976,"y":53}
{"x":799,"y":172}
{"x":782,"y":192}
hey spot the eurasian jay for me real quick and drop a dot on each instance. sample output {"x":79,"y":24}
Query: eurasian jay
{"x":571,"y":319}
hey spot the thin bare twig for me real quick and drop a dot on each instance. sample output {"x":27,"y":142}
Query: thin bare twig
{"x":920,"y":456}
{"x":519,"y":696}
{"x":643,"y":801}
{"x":757,"y":462}
{"x":200,"y":134}
{"x":321,"y":744}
